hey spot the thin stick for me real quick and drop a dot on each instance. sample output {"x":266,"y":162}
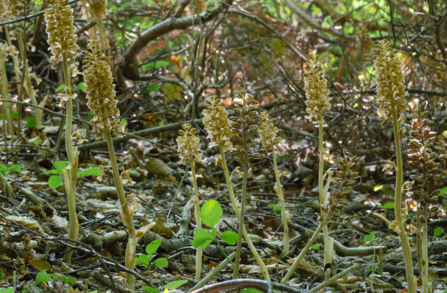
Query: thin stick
{"x":333,"y":279}
{"x":197,"y":217}
{"x":305,"y":249}
{"x":214,"y":272}
{"x":253,"y":250}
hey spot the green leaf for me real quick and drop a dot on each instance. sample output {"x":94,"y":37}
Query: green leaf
{"x":151,"y":88}
{"x":377,"y":187}
{"x":203,"y":238}
{"x":229,"y":237}
{"x":7,"y":290}
{"x":91,"y":172}
{"x":43,"y":277}
{"x":37,"y":142}
{"x":161,"y":262}
{"x":316,"y":246}
{"x":441,"y":192}
{"x":52,"y":171}
{"x":123,"y":121}
{"x":276,"y":209}
{"x":438,"y":231}
{"x":81,"y":86}
{"x":15,"y":168}
{"x":4,"y":170}
{"x":90,"y":116}
{"x":211,"y":213}
{"x":175,"y":284}
{"x":59,"y":88}
{"x":388,"y":205}
{"x":71,"y":280}
{"x":54,"y":182}
{"x":152,"y":247}
{"x":370,"y":237}
{"x":30,"y":122}
{"x":150,"y":289}
{"x":143,"y":259}
{"x":96,"y":291}
{"x":161,"y":123}
{"x":60,"y":166}
{"x":64,"y":280}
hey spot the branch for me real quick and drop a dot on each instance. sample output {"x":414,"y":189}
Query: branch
{"x":128,"y":62}
{"x":307,"y":19}
{"x":261,"y":285}
{"x":266,"y":25}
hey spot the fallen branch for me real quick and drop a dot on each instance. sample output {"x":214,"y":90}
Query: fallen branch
{"x":239,"y":284}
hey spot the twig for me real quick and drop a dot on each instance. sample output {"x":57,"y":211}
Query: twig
{"x":261,"y":285}
{"x":216,"y":270}
{"x":333,"y":279}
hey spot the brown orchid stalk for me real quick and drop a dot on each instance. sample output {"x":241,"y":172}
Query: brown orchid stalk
{"x":217,"y":125}
{"x":62,"y":40}
{"x":267,"y":133}
{"x":335,"y":200}
{"x":6,"y":107}
{"x":426,"y":174}
{"x":188,"y":147}
{"x":392,"y":104}
{"x":102,"y":103}
{"x":317,"y":102}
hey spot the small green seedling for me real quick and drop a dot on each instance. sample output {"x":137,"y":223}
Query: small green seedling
{"x":146,"y":261}
{"x":276,"y":208}
{"x":8,"y":169}
{"x":59,"y":166}
{"x":168,"y":286}
{"x":316,"y":246}
{"x":371,"y":238}
{"x":210,"y":214}
{"x":438,"y":231}
{"x":388,"y":205}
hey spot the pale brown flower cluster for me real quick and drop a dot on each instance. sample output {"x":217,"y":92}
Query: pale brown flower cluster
{"x":267,"y":131}
{"x":317,"y":92}
{"x":10,"y":9}
{"x":100,"y":91}
{"x":61,"y":34}
{"x":188,"y":144}
{"x":217,"y":124}
{"x":98,"y":9}
{"x":390,"y":82}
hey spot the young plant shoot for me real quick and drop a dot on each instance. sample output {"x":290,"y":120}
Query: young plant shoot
{"x":217,"y":125}
{"x":102,"y":104}
{"x":267,"y":133}
{"x":189,"y":149}
{"x":63,"y":46}
{"x":391,"y":100}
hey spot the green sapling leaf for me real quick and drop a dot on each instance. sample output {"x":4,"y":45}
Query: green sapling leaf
{"x":229,"y":237}
{"x":211,"y":213}
{"x":203,"y":238}
{"x":370,"y":237}
{"x":161,"y":262}
{"x":175,"y":284}
{"x":438,"y":231}
{"x":152,"y":247}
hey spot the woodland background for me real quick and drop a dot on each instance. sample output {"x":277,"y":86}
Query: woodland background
{"x":170,"y":56}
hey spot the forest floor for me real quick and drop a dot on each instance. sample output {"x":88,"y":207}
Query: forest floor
{"x":34,"y":222}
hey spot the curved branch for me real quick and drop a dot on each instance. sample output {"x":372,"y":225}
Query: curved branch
{"x":307,"y":19}
{"x":129,"y":63}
